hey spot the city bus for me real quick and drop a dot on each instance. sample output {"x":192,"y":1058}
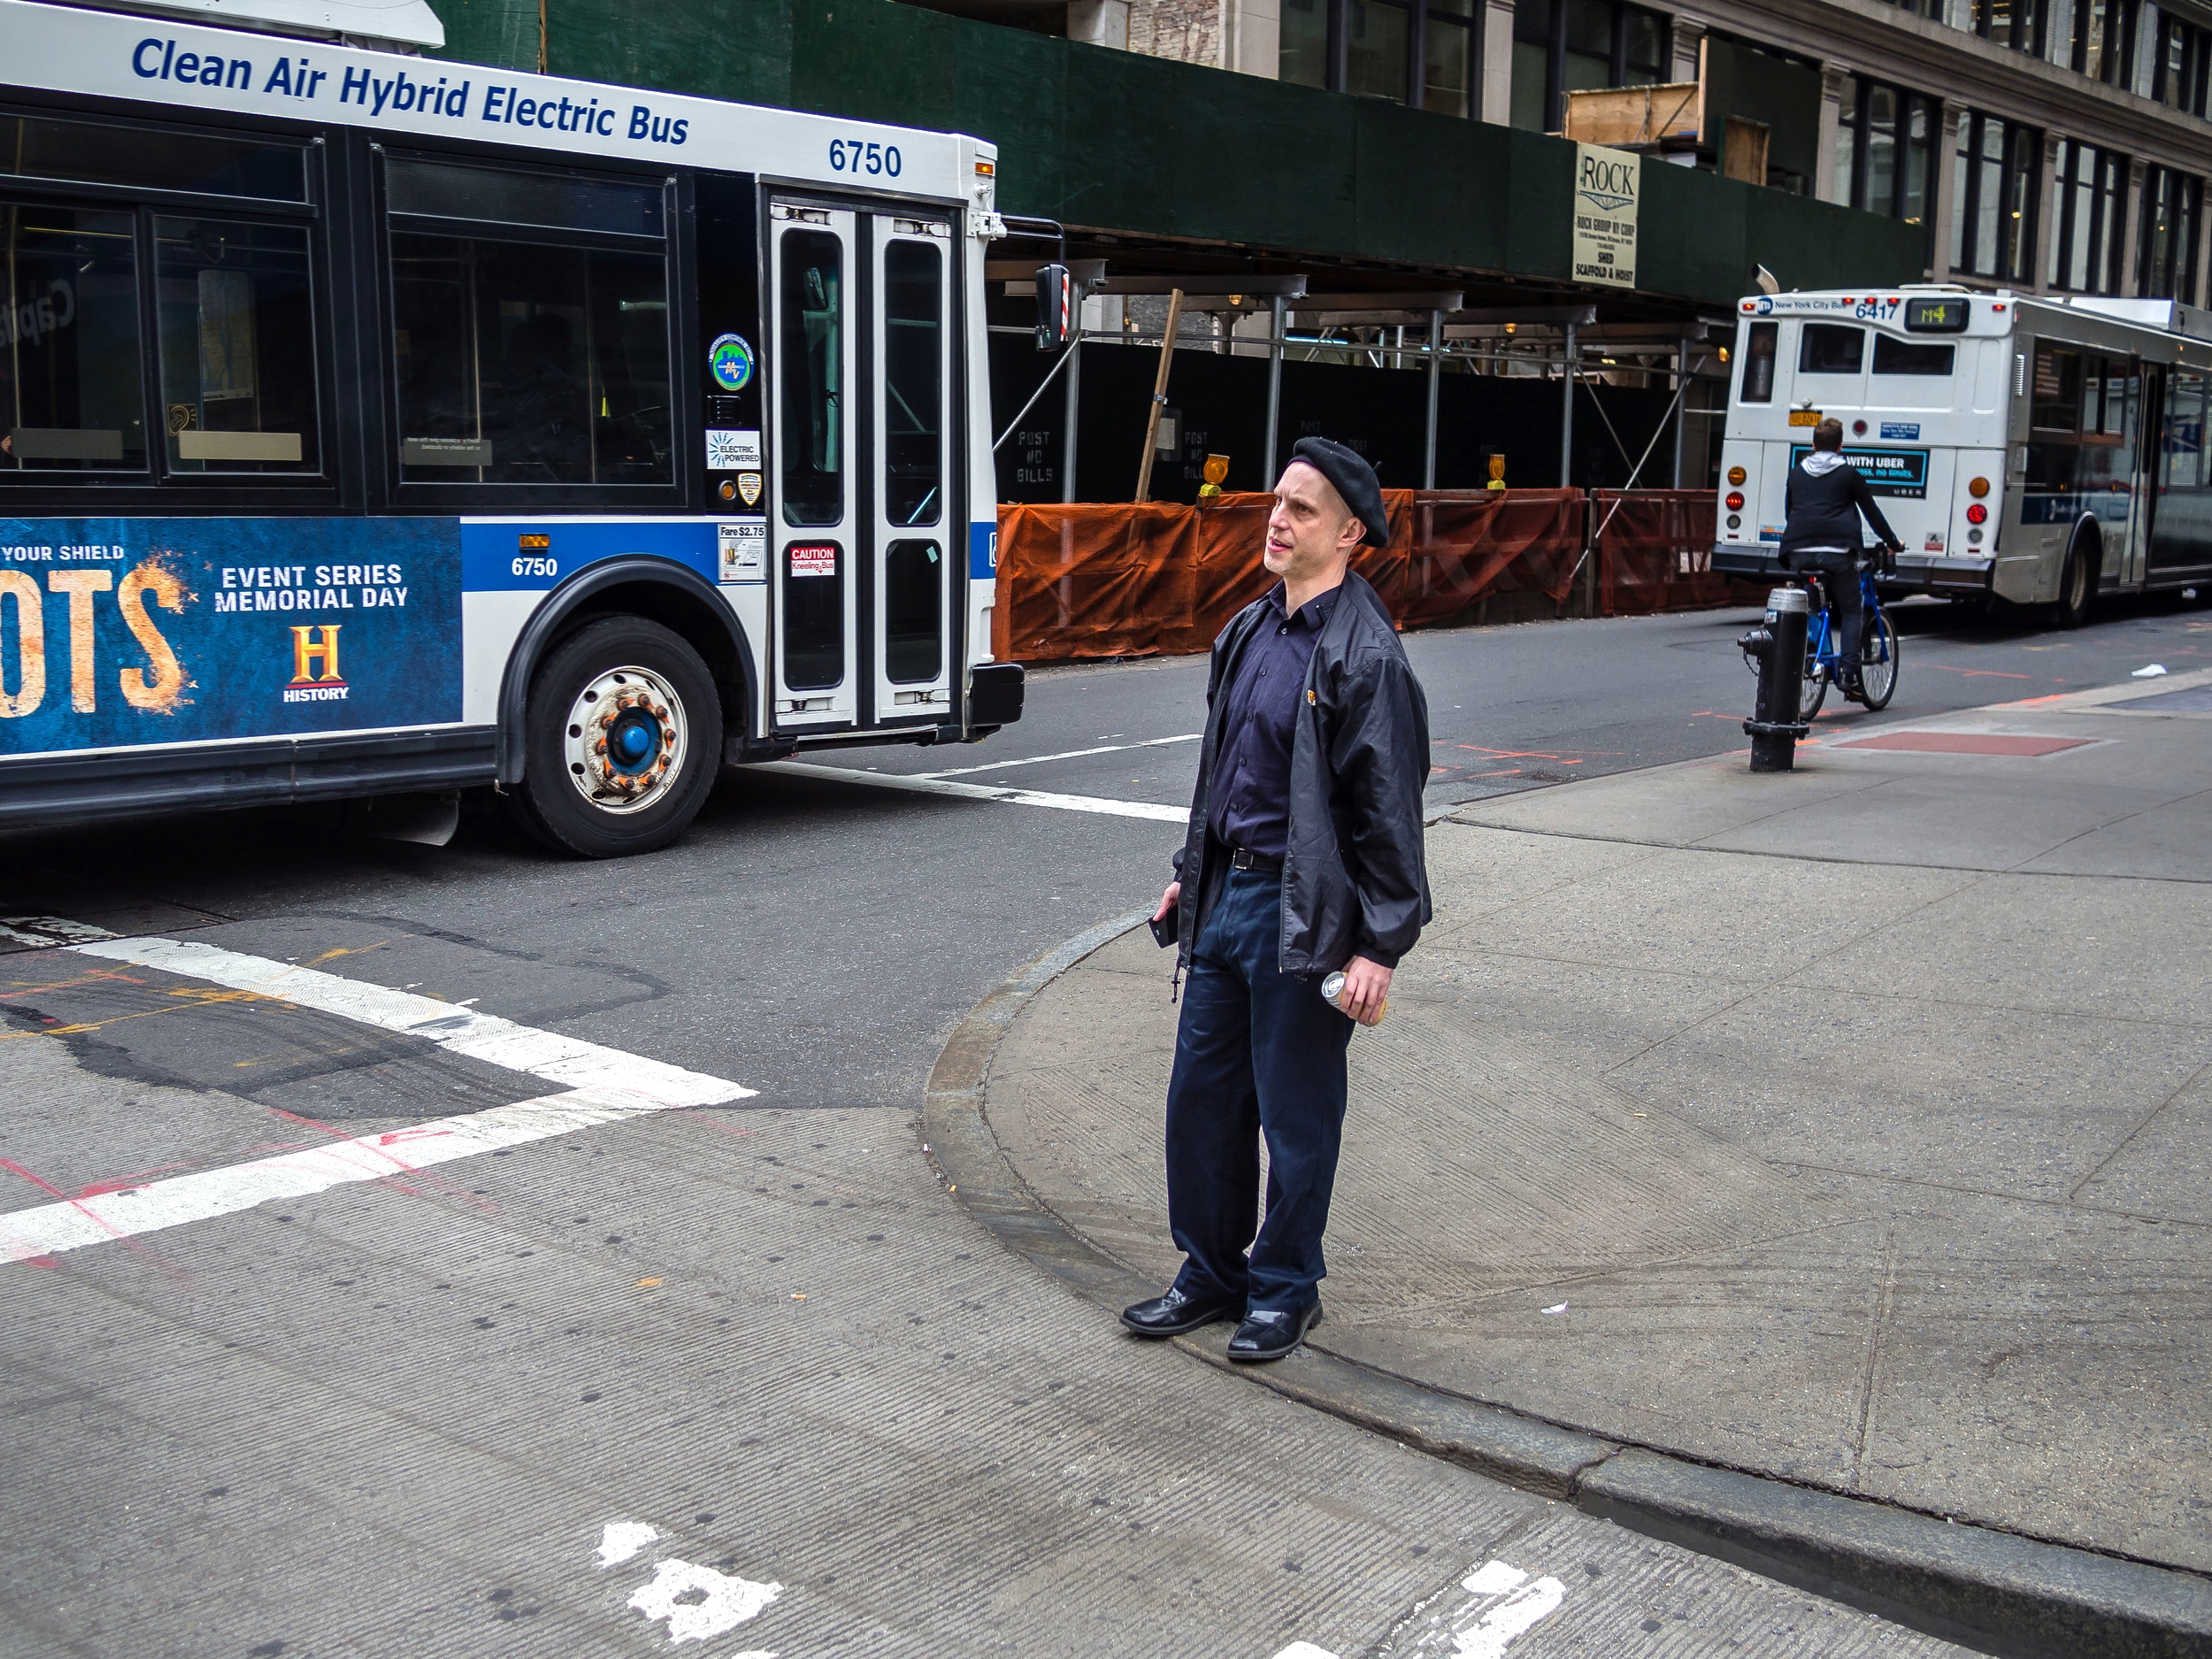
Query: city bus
{"x":2037,"y":451}
{"x":376,"y":426}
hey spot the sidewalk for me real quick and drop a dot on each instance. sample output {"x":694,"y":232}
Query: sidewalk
{"x":1844,"y":1126}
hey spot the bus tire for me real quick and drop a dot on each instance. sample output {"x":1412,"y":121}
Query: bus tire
{"x":2076,"y":584}
{"x":623,"y":740}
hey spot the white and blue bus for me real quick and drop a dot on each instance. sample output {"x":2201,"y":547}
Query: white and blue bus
{"x":374,"y":424}
{"x":2039,"y":451}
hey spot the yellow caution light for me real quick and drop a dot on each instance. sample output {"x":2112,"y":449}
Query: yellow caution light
{"x":1723,"y":354}
{"x":534,"y":543}
{"x":986,"y":170}
{"x":1979,"y":488}
{"x":1736,"y":475}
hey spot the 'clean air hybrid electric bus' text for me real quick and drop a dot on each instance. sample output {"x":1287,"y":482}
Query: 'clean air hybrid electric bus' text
{"x":2041,"y":452}
{"x":371,"y":424}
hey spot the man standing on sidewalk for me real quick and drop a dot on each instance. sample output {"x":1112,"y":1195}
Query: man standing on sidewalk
{"x":1303,"y":856}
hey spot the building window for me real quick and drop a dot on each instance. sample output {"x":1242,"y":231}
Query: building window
{"x":1563,"y":46}
{"x":2179,"y":73}
{"x":2089,"y":207}
{"x":1883,"y":150}
{"x":1380,"y":49}
{"x":2019,"y":24}
{"x":2166,"y":262}
{"x":1992,"y":223}
{"x":2104,"y":40}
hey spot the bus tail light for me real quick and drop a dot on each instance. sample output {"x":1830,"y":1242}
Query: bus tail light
{"x":1978,"y":489}
{"x":1978,"y":514}
{"x":1736,"y":475}
{"x":1735,"y":501}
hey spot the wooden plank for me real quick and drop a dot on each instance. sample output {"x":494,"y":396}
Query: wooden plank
{"x":1629,"y":116}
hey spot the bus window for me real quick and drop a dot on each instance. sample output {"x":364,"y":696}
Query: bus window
{"x":1892,"y":356}
{"x":87,"y":153}
{"x":911,"y":351}
{"x":2182,"y":464}
{"x":2056,"y":403}
{"x":521,"y":357}
{"x":813,"y":372}
{"x":70,"y":399}
{"x":237,"y":346}
{"x":1758,"y":362}
{"x":913,"y":606}
{"x":1829,"y":348}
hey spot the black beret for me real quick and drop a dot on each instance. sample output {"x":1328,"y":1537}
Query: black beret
{"x":1355,"y":481}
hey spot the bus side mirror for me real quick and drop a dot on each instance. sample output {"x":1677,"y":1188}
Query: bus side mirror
{"x":1056,"y":307}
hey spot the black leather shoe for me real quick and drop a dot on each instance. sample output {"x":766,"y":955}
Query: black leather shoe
{"x":1175,"y":1313}
{"x":1270,"y":1335}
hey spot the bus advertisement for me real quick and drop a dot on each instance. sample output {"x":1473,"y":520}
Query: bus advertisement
{"x":2038,"y":451}
{"x":375,"y":424}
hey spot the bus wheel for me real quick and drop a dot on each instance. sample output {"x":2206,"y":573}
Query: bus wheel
{"x":624,"y":740}
{"x":2076,"y":586}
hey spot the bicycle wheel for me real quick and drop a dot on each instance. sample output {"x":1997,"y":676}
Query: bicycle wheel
{"x":1812,"y":690}
{"x":1877,"y":660}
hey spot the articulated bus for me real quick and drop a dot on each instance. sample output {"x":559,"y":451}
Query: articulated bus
{"x":2039,"y":451}
{"x":372,"y":425}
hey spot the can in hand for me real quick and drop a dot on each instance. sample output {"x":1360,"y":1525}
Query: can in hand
{"x":1333,"y":993}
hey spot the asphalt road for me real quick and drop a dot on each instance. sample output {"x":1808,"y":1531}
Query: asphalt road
{"x":396,"y":1416}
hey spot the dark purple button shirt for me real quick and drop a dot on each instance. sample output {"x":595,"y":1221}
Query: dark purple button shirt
{"x":1248,"y":805}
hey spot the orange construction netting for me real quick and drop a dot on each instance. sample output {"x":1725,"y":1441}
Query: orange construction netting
{"x":1654,"y":552}
{"x":1125,"y":580}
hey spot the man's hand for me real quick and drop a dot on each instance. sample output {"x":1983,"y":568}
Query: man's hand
{"x":1168,"y":900}
{"x":1365,"y":985}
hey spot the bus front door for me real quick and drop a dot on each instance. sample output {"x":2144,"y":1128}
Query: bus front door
{"x":865,"y":563}
{"x":813,"y":374}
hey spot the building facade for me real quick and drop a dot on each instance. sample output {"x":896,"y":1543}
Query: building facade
{"x":2052,"y":146}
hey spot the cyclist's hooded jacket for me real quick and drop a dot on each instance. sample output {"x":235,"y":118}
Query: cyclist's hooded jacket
{"x":1355,"y":882}
{"x":1821,"y":505}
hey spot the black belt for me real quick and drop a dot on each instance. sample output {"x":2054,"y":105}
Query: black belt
{"x":1245,"y":858}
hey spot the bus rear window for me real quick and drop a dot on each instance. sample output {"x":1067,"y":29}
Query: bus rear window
{"x":1758,"y":362}
{"x":1828,"y":349}
{"x":1911,"y":357}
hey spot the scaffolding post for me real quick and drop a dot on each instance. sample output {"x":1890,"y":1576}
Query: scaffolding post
{"x":1274,"y":389}
{"x":1567,"y":415}
{"x":1067,"y":432}
{"x":1436,"y":365}
{"x":1681,"y":403}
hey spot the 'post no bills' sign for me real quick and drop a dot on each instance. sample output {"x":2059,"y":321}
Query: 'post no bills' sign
{"x":1607,"y":185}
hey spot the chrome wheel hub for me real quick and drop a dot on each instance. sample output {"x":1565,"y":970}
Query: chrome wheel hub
{"x":625,"y":740}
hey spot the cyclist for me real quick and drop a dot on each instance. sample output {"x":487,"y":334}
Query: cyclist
{"x":1821,"y":505}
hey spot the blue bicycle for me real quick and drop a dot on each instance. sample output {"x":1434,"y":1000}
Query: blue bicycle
{"x":1824,"y":663}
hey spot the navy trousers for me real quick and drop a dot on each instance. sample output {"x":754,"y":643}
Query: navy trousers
{"x":1258,"y":1053}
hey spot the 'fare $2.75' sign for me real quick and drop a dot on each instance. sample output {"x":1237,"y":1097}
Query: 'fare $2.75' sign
{"x":1607,"y":183}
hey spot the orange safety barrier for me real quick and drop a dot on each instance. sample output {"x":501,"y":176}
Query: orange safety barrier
{"x":1654,"y":552}
{"x":1122,"y":579}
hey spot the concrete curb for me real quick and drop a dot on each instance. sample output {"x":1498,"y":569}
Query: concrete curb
{"x":2012,"y":1596}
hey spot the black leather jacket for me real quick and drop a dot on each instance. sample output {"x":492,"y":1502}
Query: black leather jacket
{"x":1354,"y":879}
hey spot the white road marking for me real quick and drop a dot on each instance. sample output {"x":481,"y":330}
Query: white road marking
{"x":605,"y":1086}
{"x":1518,"y":1614}
{"x":568,"y":1061}
{"x":1480,"y":1617}
{"x":49,"y":930}
{"x":51,"y":1229}
{"x":623,"y":1540}
{"x":981,"y":792}
{"x":1304,"y":1650}
{"x":1070,"y":753}
{"x":723,"y":1604}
